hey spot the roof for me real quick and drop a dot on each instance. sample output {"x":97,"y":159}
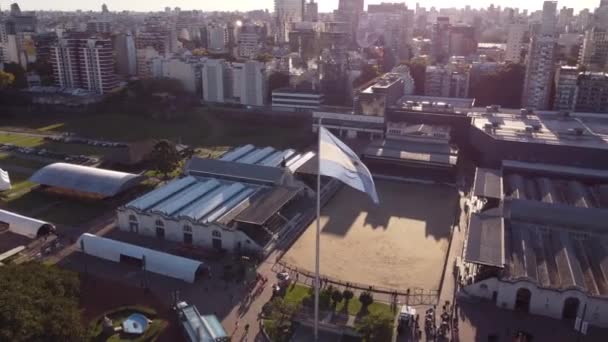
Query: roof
{"x":550,"y":128}
{"x":85,"y":179}
{"x":485,"y":244}
{"x":234,"y":171}
{"x":197,"y":199}
{"x":557,"y":258}
{"x":157,"y":262}
{"x":557,"y":214}
{"x":553,"y":169}
{"x":266,"y":204}
{"x":421,"y":152}
{"x":208,"y":326}
{"x":22,"y":225}
{"x":488,"y":183}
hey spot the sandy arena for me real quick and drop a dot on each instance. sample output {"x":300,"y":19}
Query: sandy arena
{"x":400,"y":244}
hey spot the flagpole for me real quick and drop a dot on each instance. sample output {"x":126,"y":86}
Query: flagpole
{"x":318,"y":236}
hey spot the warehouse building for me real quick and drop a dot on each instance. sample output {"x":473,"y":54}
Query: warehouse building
{"x":537,"y":241}
{"x":570,"y":139}
{"x":84,"y":181}
{"x":243,"y":202}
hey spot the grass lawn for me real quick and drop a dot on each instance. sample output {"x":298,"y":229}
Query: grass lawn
{"x":120,"y":314}
{"x":297,"y":293}
{"x":11,"y":159}
{"x":56,"y":208}
{"x":20,"y":185}
{"x":24,"y":140}
{"x":199,"y":129}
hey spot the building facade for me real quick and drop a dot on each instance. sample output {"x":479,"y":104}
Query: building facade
{"x":592,"y":92}
{"x":515,"y":42}
{"x":85,"y":63}
{"x":565,"y":88}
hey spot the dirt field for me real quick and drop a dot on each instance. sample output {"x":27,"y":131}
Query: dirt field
{"x":400,"y":244}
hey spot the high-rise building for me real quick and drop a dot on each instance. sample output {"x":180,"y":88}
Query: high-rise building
{"x":565,"y":88}
{"x":125,"y":54}
{"x":216,"y":80}
{"x":250,"y":39}
{"x":155,"y":40}
{"x":441,"y":40}
{"x":287,"y":12}
{"x":462,"y":40}
{"x":515,"y":42}
{"x":349,"y":12}
{"x":592,"y":92}
{"x":594,"y":52}
{"x":254,"y":84}
{"x":437,"y":81}
{"x":549,"y":18}
{"x":216,"y":37}
{"x":312,"y":11}
{"x":540,"y":66}
{"x":99,"y":26}
{"x":84,"y":63}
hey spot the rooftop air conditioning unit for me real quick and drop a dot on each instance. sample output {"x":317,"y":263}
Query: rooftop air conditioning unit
{"x":529,"y":129}
{"x":526,"y":111}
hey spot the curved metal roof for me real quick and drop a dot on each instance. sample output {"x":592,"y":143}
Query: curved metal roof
{"x":85,"y":179}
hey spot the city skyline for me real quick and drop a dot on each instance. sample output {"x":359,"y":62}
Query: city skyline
{"x":244,"y":5}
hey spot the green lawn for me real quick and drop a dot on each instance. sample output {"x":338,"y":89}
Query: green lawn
{"x":198,"y":128}
{"x":20,"y":185}
{"x":11,"y":159}
{"x":24,"y":140}
{"x":297,"y":293}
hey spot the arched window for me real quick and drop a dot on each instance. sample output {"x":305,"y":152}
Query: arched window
{"x":160,"y":223}
{"x":216,"y":234}
{"x":187,"y":229}
{"x":132,"y":218}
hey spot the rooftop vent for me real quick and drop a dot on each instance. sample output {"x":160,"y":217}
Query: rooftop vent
{"x":526,"y":111}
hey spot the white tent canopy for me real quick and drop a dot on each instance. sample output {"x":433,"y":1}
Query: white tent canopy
{"x":24,"y":225}
{"x":5,"y":181}
{"x":156,"y":262}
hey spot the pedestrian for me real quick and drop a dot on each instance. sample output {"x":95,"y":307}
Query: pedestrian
{"x":246,"y":328}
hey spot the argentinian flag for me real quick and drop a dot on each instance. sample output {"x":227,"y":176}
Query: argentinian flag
{"x":338,"y":161}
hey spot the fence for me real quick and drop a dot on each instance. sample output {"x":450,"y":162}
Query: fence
{"x":412,"y":296}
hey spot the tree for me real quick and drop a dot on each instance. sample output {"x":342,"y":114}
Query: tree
{"x":336,"y":296}
{"x":347,"y":295}
{"x":165,"y":157}
{"x":418,"y":71}
{"x":39,"y":303}
{"x":264,"y":57}
{"x":279,"y":319}
{"x":277,"y":80}
{"x":366,"y":298}
{"x":6,"y":79}
{"x":375,"y":327}
{"x":18,"y":73}
{"x":368,"y":73}
{"x":503,"y":87}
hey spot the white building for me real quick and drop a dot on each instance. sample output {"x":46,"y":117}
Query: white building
{"x":216,"y":85}
{"x":216,"y":38}
{"x":84,"y":63}
{"x":254,"y":83}
{"x":296,"y":100}
{"x":535,"y":244}
{"x":176,"y":68}
{"x":236,"y":203}
{"x":515,"y":42}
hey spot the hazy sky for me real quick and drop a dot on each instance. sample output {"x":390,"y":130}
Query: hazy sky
{"x":230,"y":5}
